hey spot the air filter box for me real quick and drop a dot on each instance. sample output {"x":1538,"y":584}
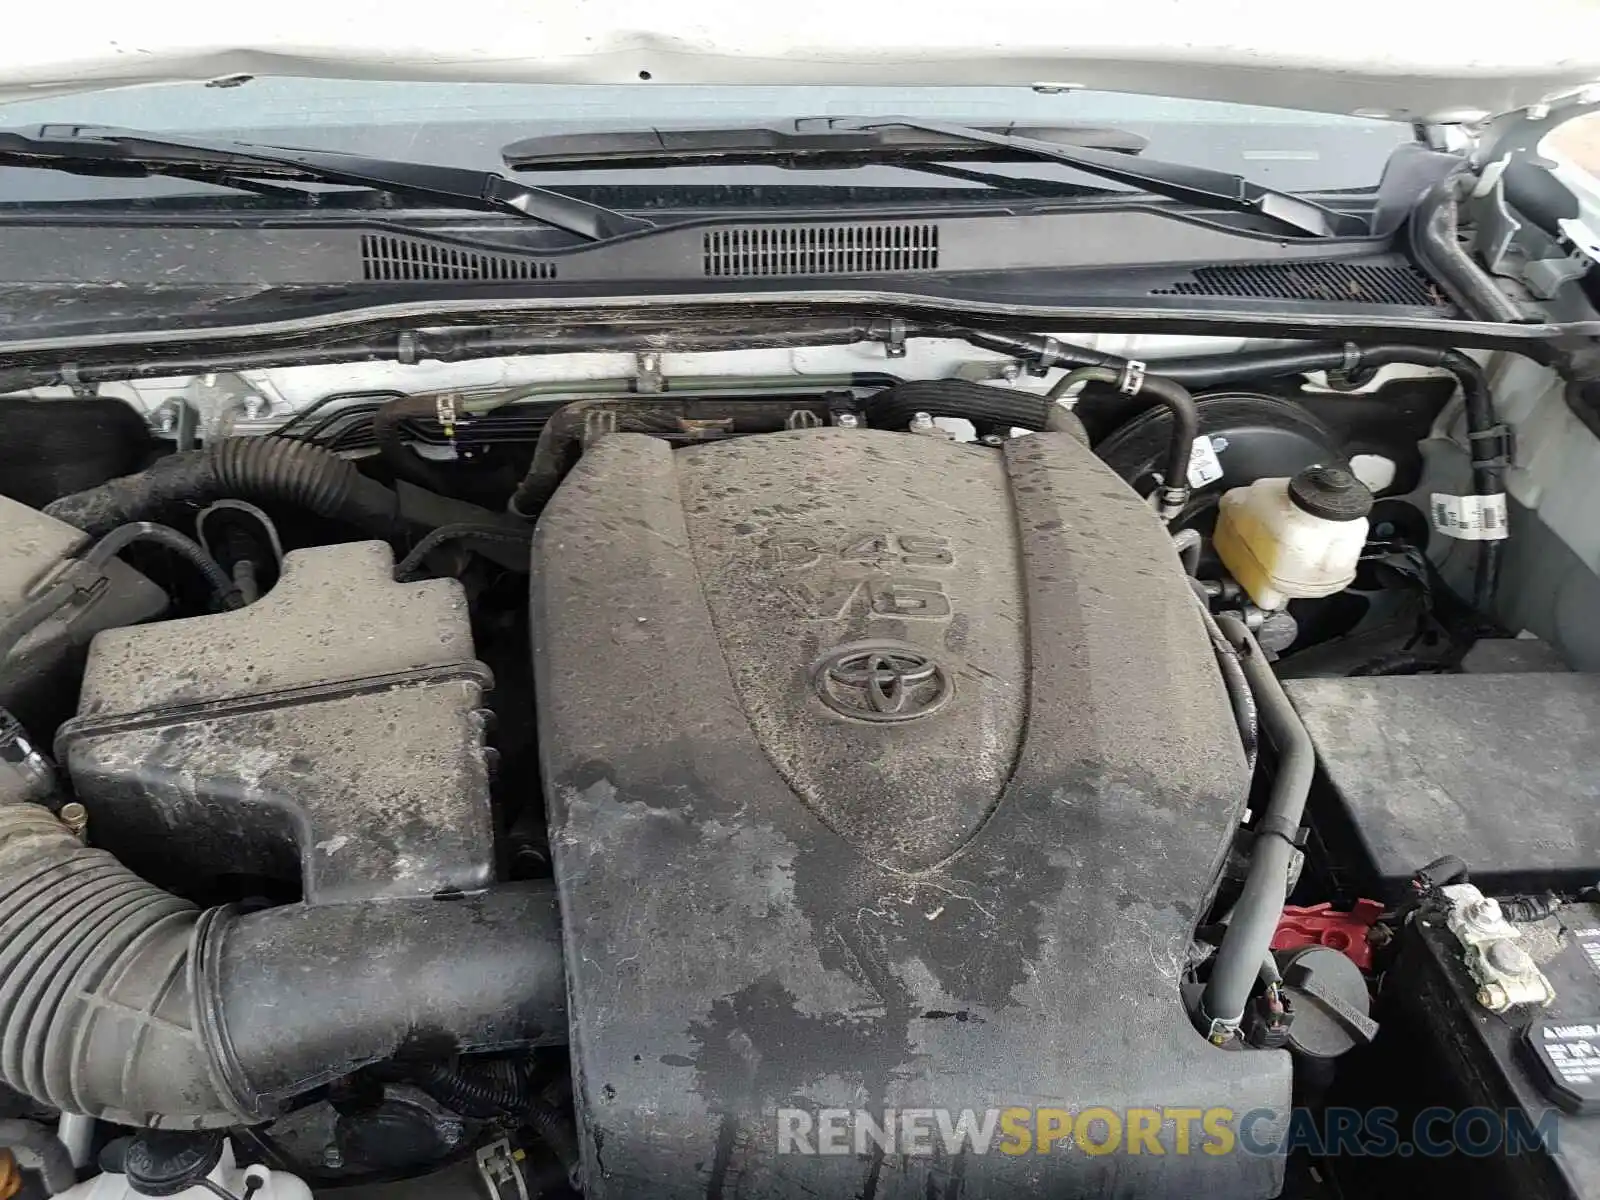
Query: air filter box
{"x":331,"y":733}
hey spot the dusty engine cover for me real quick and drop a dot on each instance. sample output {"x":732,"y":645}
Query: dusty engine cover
{"x":883,"y":773}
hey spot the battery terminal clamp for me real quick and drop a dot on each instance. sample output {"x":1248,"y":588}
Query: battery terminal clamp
{"x":1505,"y":972}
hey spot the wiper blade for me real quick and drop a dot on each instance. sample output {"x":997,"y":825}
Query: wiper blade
{"x":816,"y":143}
{"x":97,"y":150}
{"x":853,"y":141}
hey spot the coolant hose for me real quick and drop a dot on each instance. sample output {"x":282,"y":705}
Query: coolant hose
{"x":56,"y":1171}
{"x":121,"y":1001}
{"x":274,"y":470}
{"x":1260,"y":905}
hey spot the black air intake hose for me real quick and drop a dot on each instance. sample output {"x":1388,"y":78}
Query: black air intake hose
{"x":273,"y":470}
{"x":123,"y":1002}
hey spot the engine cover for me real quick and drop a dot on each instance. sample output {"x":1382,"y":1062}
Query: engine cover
{"x":883,"y":772}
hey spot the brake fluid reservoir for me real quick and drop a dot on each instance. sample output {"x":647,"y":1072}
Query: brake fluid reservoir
{"x":1290,"y":539}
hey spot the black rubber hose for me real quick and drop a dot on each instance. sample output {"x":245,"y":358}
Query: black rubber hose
{"x":121,"y":1001}
{"x":1173,"y":492}
{"x":1245,"y":712}
{"x":1260,"y":905}
{"x":90,"y":570}
{"x":554,"y":1125}
{"x":119,"y":539}
{"x":55,"y":1164}
{"x":1219,"y":370}
{"x":402,"y":459}
{"x":482,"y":1090}
{"x":266,"y":469}
{"x":1488,"y":470}
{"x":983,"y":405}
{"x":273,"y":470}
{"x":408,"y":565}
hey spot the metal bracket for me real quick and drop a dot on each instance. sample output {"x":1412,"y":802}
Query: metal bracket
{"x":894,"y":339}
{"x":80,"y":388}
{"x":500,"y":1172}
{"x":1132,"y":381}
{"x":647,"y":373}
{"x":444,"y":408}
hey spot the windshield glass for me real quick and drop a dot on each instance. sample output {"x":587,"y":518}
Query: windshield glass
{"x":466,"y":124}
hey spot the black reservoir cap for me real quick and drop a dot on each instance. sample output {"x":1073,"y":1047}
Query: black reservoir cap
{"x":1332,"y":493}
{"x":164,"y":1162}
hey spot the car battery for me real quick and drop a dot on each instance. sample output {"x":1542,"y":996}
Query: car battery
{"x":1515,"y":1092}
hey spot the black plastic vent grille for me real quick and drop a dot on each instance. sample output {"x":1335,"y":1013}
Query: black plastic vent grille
{"x":1344,"y":283}
{"x":390,"y":259}
{"x":821,"y":250}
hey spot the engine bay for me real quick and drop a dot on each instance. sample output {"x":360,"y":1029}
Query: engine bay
{"x":750,"y":774}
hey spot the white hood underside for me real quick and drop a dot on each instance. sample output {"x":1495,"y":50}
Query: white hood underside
{"x":1411,"y":58}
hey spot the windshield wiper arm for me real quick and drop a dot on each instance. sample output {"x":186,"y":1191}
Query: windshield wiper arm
{"x":97,"y":150}
{"x":854,"y":141}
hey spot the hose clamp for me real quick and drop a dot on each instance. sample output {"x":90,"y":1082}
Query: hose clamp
{"x":1493,"y":447}
{"x":1132,"y":381}
{"x":1279,"y":827}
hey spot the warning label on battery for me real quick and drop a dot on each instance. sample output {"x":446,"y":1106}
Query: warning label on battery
{"x":1588,"y":941}
{"x":1569,"y":1052}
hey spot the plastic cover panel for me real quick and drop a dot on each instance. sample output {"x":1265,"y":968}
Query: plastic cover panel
{"x":767,"y":903}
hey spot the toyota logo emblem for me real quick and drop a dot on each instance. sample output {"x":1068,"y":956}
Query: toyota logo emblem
{"x":880,"y":681}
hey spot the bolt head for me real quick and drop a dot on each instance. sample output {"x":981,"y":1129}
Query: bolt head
{"x":846,"y":420}
{"x":1493,"y":997}
{"x":254,"y":408}
{"x":921,"y":420}
{"x":1219,"y":444}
